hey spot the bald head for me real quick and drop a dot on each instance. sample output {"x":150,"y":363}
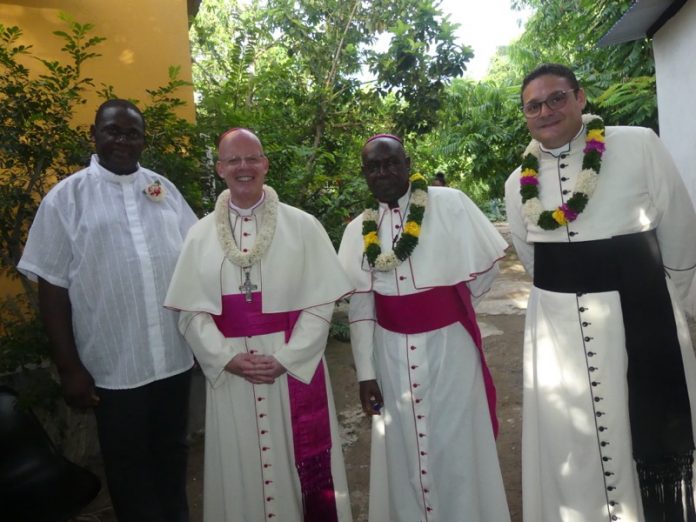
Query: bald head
{"x":386,"y":168}
{"x":243,"y":166}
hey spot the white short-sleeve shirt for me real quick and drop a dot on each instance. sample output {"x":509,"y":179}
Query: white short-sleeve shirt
{"x":100,"y":236}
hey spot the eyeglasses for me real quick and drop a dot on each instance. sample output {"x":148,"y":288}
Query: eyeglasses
{"x":555,"y":101}
{"x":236,"y":161}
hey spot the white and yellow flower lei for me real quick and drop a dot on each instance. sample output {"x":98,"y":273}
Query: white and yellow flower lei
{"x":263,"y":238}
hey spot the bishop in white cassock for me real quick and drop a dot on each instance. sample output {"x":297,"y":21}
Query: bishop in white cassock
{"x":417,"y":346}
{"x":256,"y":285}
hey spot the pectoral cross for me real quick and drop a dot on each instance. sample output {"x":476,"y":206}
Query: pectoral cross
{"x":247,"y":287}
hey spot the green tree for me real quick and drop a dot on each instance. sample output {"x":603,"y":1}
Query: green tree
{"x":294,"y":72}
{"x":619,"y":79}
{"x":40,"y":145}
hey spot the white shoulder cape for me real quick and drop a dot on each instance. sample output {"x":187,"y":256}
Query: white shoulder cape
{"x":299,"y":270}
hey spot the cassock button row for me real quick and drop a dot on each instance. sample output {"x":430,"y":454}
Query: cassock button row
{"x":564,"y":178}
{"x":563,"y":165}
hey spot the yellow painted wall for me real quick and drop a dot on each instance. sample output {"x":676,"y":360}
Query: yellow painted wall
{"x":143,"y":38}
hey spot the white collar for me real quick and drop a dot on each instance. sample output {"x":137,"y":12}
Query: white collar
{"x":110,"y":176}
{"x":247,"y":211}
{"x":563,"y":148}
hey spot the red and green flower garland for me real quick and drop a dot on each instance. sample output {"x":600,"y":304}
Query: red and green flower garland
{"x":584,"y":187}
{"x":409,"y":235}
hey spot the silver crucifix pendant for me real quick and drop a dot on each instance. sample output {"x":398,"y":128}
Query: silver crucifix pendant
{"x":247,"y":287}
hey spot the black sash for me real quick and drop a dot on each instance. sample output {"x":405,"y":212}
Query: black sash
{"x":658,"y":400}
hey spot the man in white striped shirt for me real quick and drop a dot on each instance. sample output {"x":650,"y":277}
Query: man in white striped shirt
{"x":102,"y":247}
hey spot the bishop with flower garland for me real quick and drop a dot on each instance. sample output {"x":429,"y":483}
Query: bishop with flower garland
{"x":418,"y":257}
{"x":601,"y":219}
{"x":256,"y":285}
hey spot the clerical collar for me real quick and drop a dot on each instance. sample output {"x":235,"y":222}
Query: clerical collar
{"x":402,"y":202}
{"x":247,"y":211}
{"x":563,"y":148}
{"x":123,"y":179}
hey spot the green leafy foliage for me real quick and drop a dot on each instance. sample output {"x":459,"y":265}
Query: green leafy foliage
{"x":294,"y":73}
{"x":40,"y":145}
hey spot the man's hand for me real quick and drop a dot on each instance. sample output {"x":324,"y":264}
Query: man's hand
{"x":257,"y":369}
{"x":371,"y":397}
{"x":78,"y":388}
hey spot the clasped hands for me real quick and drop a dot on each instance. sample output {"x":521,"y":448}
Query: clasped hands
{"x":255,"y":368}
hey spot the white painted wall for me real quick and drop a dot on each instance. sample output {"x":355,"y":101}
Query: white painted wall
{"x":674,"y":48}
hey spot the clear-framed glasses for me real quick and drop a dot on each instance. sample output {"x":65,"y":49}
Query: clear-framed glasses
{"x":556,"y":100}
{"x":236,"y":161}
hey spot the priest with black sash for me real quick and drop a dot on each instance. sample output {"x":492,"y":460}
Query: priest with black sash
{"x":600,"y":217}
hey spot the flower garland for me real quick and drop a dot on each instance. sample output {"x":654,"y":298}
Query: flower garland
{"x":155,"y":191}
{"x":584,"y":187}
{"x":263,"y":239}
{"x":387,"y":261}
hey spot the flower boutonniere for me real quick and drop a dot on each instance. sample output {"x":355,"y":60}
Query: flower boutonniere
{"x":155,"y":191}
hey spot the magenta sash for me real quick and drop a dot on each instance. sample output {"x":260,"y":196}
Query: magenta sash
{"x":431,"y":310}
{"x":309,"y":408}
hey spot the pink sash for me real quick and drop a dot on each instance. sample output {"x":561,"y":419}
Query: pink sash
{"x":309,"y":408}
{"x":431,"y":310}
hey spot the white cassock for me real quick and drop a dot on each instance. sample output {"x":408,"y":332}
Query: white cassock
{"x":577,"y":463}
{"x":250,"y":468}
{"x":433,"y":455}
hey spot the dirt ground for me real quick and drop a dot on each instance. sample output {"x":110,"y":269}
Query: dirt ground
{"x":501,"y":318}
{"x":502,"y":321}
